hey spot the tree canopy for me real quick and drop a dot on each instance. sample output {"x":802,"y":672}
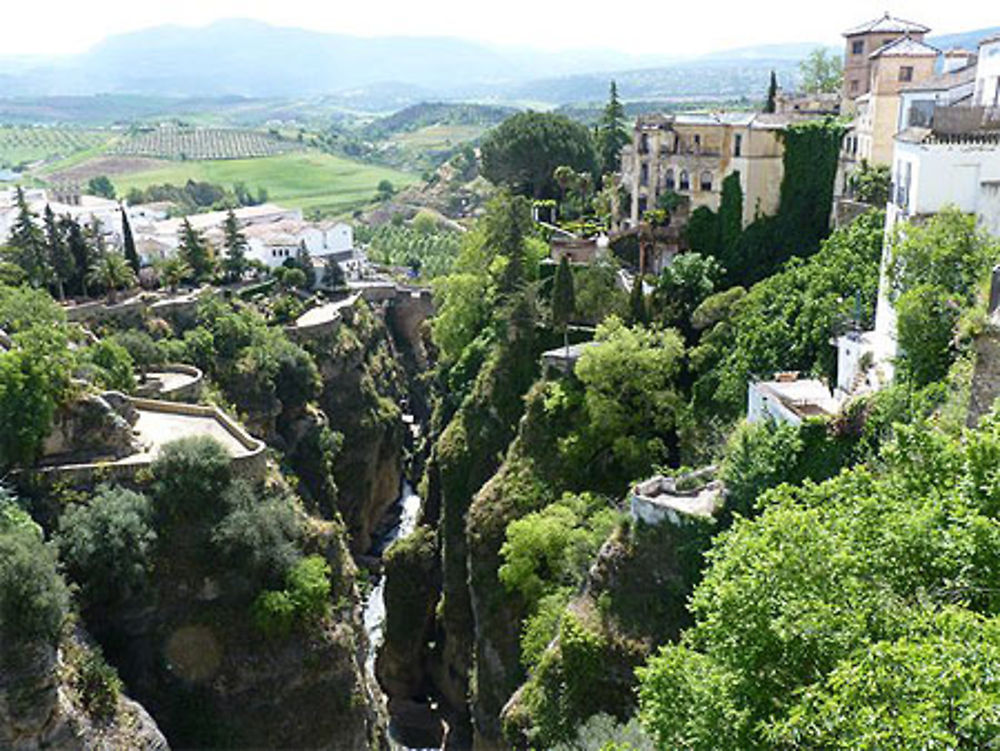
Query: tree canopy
{"x":523,"y":152}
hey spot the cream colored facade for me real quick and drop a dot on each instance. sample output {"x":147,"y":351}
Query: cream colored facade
{"x":894,"y":67}
{"x":692,"y":155}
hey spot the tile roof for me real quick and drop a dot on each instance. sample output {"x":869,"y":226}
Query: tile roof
{"x":887,"y":25}
{"x":905,"y":46}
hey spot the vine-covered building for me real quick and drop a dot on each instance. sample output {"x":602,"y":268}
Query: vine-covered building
{"x":691,"y":154}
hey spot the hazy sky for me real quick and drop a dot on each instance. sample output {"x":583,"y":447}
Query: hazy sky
{"x":638,"y":26}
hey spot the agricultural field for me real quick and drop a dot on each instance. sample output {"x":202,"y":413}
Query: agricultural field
{"x":24,"y":145}
{"x":203,"y":143}
{"x":440,"y":136}
{"x":310,"y":181}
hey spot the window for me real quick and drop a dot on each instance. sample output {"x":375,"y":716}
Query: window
{"x":669,"y":181}
{"x":644,"y":174}
{"x":706,"y":180}
{"x":858,"y":47}
{"x":697,"y":143}
{"x":738,"y":145}
{"x":642,"y":205}
{"x":685,"y":184}
{"x":906,"y":73}
{"x":644,"y":144}
{"x":854,"y":86}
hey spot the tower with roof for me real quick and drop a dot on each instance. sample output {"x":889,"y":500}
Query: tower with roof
{"x":864,"y":40}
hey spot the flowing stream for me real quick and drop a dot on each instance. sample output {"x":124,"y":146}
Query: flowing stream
{"x":405,"y":513}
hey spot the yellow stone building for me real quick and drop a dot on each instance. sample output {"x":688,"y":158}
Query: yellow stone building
{"x":691,"y":154}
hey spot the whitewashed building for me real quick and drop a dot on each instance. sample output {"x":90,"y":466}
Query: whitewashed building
{"x":789,"y":399}
{"x":84,"y":209}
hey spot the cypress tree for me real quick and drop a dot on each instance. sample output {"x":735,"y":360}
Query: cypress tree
{"x":304,"y":261}
{"x":129,"y":242}
{"x":637,"y":304}
{"x":235,"y":261}
{"x":563,"y":300}
{"x":772,"y":94}
{"x":611,"y":132}
{"x":60,"y":258}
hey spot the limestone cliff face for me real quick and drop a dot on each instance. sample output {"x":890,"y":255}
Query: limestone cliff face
{"x":363,"y":385}
{"x":41,"y":706}
{"x":194,"y":657}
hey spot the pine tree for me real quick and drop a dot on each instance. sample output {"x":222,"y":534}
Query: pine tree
{"x":27,"y":245}
{"x":60,"y":258}
{"x":772,"y":94}
{"x":195,"y":251}
{"x":611,"y":133}
{"x":129,"y":243}
{"x":235,"y":242}
{"x":563,"y":300}
{"x":79,"y":250}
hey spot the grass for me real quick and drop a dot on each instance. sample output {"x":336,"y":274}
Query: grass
{"x":440,"y":136}
{"x":309,"y":181}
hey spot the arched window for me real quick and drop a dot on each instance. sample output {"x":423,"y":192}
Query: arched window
{"x":668,"y":180}
{"x":706,"y":180}
{"x":685,"y":184}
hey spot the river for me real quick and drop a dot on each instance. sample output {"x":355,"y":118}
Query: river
{"x":404,"y":515}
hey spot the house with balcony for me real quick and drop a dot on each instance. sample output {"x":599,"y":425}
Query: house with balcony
{"x":691,"y":154}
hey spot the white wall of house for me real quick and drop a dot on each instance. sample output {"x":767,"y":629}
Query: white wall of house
{"x":988,"y":75}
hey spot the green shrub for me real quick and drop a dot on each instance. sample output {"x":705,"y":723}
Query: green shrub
{"x":304,"y":600}
{"x":107,"y":544}
{"x":190,"y":476}
{"x":112,"y":365}
{"x":259,"y":536}
{"x":33,"y":596}
{"x":98,"y":684}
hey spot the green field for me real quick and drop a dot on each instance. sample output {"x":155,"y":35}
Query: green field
{"x":440,"y":136}
{"x":309,"y":181}
{"x":23,"y":145}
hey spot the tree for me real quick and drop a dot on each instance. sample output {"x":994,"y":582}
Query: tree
{"x":303,"y":261}
{"x":27,"y":245}
{"x":384,"y":191}
{"x":926,"y":318}
{"x":333,"y":274}
{"x":563,"y":299}
{"x":81,"y":251}
{"x":173,"y":271}
{"x":524,"y":150}
{"x":34,"y":599}
{"x":128,"y":242}
{"x":638,"y":315}
{"x":611,"y":133}
{"x":689,"y":279}
{"x":821,"y":72}
{"x":234,"y":263}
{"x":772,"y":93}
{"x":60,"y":258}
{"x":189,"y":477}
{"x":34,"y":377}
{"x":107,"y":545}
{"x":112,"y":273}
{"x":101,"y":186}
{"x":196,"y":252}
{"x":870,"y":184}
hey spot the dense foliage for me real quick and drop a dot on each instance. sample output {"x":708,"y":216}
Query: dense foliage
{"x":830,"y":588}
{"x":523,"y":152}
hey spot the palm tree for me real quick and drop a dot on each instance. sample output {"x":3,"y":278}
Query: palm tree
{"x":112,"y":272}
{"x":173,"y":271}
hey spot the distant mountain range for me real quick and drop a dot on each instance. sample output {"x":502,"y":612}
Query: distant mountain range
{"x":244,"y":58}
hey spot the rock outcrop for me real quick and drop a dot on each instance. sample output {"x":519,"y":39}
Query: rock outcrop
{"x":41,"y":708}
{"x":94,"y":425}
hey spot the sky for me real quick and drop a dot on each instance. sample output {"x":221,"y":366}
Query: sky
{"x":638,"y":27}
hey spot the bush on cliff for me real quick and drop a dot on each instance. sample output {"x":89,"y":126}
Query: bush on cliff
{"x":189,"y":477}
{"x":304,"y":600}
{"x":107,"y":544}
